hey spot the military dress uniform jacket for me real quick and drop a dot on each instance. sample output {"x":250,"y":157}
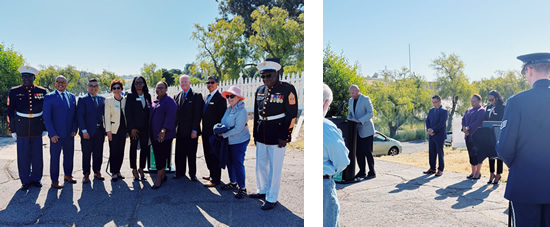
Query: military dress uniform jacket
{"x":25,"y":111}
{"x":524,"y":145}
{"x":272,"y":103}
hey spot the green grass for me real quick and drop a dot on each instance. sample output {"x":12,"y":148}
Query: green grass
{"x":408,"y":131}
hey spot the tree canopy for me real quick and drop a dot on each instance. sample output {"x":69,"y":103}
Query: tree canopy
{"x":151,"y":74}
{"x":10,"y":61}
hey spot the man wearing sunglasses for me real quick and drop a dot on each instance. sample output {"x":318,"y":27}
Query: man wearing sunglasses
{"x":275,"y":110}
{"x":524,"y":144}
{"x":60,"y":120}
{"x":212,"y":113}
{"x":89,"y":114}
{"x":25,"y":121}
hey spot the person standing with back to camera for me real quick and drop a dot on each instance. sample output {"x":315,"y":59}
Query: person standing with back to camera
{"x":524,"y":144}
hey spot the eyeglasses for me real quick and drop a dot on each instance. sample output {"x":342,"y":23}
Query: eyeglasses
{"x":267,"y":76}
{"x":93,"y":86}
{"x":490,"y":100}
{"x":60,"y":82}
{"x":210,"y":82}
{"x":230,"y":96}
{"x":524,"y":70}
{"x":116,"y":88}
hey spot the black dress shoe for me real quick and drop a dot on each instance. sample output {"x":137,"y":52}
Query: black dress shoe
{"x":25,"y":187}
{"x":194,"y":179}
{"x":268,"y":206}
{"x":155,"y":187}
{"x":370,"y":176}
{"x":360,"y":175}
{"x":257,"y":196}
{"x":37,"y":184}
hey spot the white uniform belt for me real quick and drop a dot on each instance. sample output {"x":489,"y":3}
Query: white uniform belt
{"x":32,"y":115}
{"x":274,"y":117}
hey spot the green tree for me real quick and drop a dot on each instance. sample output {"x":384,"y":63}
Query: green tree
{"x":277,"y":35}
{"x":399,"y":98}
{"x":507,"y":83}
{"x":222,"y":48}
{"x":105,"y":79}
{"x":10,"y":61}
{"x":339,"y":75}
{"x":151,"y":74}
{"x":452,"y":83}
{"x":244,"y":9}
{"x":46,"y":76}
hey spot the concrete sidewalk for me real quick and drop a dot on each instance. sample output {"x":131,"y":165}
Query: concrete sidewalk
{"x":402,"y":196}
{"x":178,"y":202}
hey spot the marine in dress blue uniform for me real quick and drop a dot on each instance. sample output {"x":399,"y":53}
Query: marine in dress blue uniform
{"x":524,"y":145}
{"x":26,"y":124}
{"x":275,"y":110}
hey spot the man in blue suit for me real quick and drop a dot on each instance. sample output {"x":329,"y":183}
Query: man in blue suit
{"x":60,"y":121}
{"x":89,"y":112}
{"x":435,"y":124}
{"x":524,"y":144}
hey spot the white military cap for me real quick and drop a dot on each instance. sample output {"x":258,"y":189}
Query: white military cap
{"x":28,"y":69}
{"x":270,"y":64}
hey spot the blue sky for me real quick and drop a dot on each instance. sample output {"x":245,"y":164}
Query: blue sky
{"x":119,"y":36}
{"x":487,"y":35}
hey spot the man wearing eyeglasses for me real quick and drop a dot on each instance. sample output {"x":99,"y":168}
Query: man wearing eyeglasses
{"x":212,"y":113}
{"x":188,"y":119}
{"x":436,"y":127}
{"x":26,"y":124}
{"x":60,"y":120}
{"x":523,"y":145}
{"x":89,"y":114}
{"x":275,"y":111}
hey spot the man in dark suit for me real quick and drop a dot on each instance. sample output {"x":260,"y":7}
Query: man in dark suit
{"x":212,"y":113}
{"x":60,"y":120}
{"x":523,"y":144}
{"x":89,"y":112}
{"x":188,"y":119}
{"x":361,"y":112}
{"x":26,"y":124}
{"x":435,"y":124}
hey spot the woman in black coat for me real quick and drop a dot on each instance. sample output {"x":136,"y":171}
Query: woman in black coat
{"x":138,"y":103}
{"x":494,"y":112}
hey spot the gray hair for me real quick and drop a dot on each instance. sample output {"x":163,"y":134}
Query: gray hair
{"x":184,"y":76}
{"x":354,"y":86}
{"x":327,"y":93}
{"x":61,"y":76}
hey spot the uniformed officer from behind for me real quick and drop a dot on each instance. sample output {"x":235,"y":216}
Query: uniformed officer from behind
{"x":275,"y":111}
{"x":524,"y":145}
{"x":26,"y":124}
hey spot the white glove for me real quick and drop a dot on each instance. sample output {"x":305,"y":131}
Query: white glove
{"x":44,"y":133}
{"x":14,"y":135}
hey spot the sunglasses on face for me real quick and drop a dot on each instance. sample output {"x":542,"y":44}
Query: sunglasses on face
{"x":116,"y":88}
{"x":524,"y":70}
{"x":230,"y":96}
{"x":139,"y":83}
{"x":210,"y":82}
{"x":490,"y":100}
{"x":60,"y":82}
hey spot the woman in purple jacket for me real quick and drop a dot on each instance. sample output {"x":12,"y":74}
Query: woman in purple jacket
{"x":472,"y":120}
{"x":162,"y":126}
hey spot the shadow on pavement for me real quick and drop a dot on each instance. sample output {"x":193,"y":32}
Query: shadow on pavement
{"x":413,"y":184}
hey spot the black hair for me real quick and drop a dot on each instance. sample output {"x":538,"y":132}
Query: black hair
{"x":497,"y":96}
{"x":214,"y":78}
{"x":145,"y":89}
{"x":478,"y":97}
{"x":93,"y":80}
{"x":436,"y":97}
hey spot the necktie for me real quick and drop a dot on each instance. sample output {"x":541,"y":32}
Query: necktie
{"x":206,"y":103}
{"x":63,"y":97}
{"x":95,"y":101}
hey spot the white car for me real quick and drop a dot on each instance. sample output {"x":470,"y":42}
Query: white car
{"x":383,"y":145}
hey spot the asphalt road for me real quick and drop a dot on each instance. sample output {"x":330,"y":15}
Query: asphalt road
{"x":178,"y":202}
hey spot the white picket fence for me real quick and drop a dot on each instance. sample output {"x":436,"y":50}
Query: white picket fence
{"x":248,"y":88}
